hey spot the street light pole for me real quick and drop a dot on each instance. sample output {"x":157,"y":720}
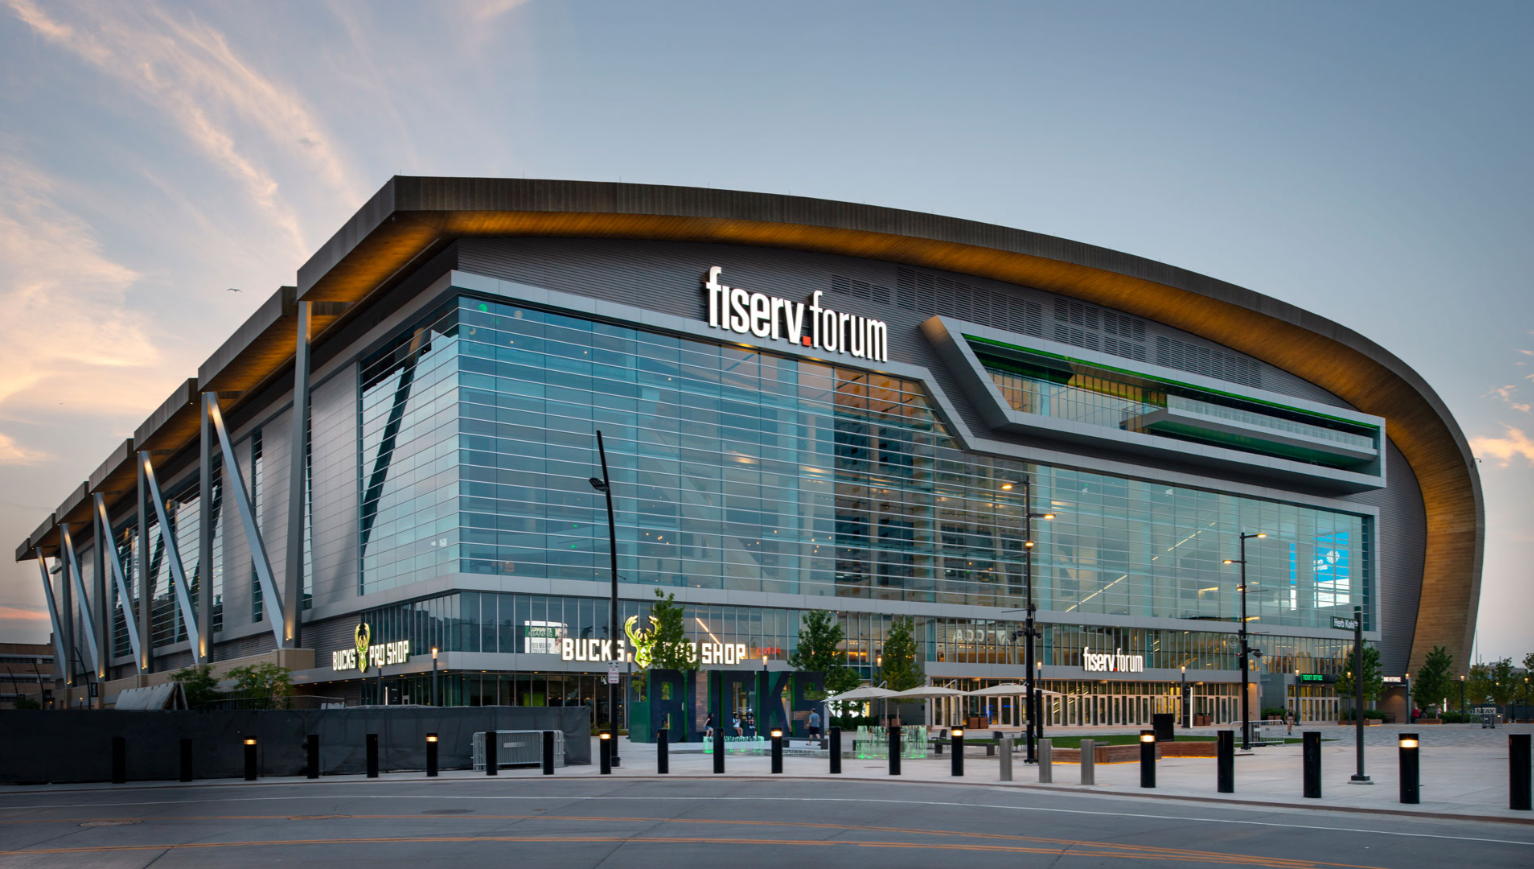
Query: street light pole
{"x":434,"y":676}
{"x":1246,"y":649}
{"x":1182,"y":699}
{"x":1030,"y":629}
{"x":604,"y":486}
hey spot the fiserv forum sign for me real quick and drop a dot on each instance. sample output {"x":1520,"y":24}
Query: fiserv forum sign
{"x":807,"y":324}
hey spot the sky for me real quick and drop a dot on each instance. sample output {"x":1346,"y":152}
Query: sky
{"x":1365,"y":161}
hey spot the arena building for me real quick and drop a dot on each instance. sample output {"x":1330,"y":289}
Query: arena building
{"x":805,"y":405}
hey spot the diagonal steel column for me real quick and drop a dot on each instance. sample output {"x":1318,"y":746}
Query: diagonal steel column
{"x":293,"y":577}
{"x":145,"y":578}
{"x":173,"y":556}
{"x":101,"y":609}
{"x":60,"y":652}
{"x":71,"y":565}
{"x":272,"y":602}
{"x":124,"y":596}
{"x":206,"y":528}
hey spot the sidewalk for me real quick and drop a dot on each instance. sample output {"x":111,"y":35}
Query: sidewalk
{"x":1464,"y":773}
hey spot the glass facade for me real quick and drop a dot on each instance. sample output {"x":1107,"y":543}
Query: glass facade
{"x":742,"y":470}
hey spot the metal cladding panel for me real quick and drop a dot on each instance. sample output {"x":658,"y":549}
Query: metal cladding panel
{"x":1401,"y":550}
{"x":276,"y":447}
{"x":239,"y":577}
{"x":335,"y":484}
{"x":667,"y":277}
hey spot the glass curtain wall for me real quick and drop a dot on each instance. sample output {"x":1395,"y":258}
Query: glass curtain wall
{"x":735,"y":469}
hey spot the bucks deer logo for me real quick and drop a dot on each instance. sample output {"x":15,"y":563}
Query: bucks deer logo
{"x":642,"y":641}
{"x":362,"y":635}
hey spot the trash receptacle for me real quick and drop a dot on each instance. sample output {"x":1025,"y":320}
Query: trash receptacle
{"x":1162,"y":723}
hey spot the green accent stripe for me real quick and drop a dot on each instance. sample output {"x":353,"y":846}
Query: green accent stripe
{"x":1204,"y":389}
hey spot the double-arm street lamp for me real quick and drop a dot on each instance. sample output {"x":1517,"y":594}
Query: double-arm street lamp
{"x":1030,"y":630}
{"x":1246,"y":649}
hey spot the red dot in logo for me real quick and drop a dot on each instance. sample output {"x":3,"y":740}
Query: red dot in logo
{"x":806,"y":341}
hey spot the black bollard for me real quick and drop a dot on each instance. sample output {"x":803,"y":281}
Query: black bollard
{"x":1225,"y":763}
{"x":956,"y":741}
{"x":777,"y":751}
{"x":186,"y":760}
{"x":492,"y":766}
{"x":548,"y":752}
{"x":431,"y":755}
{"x":314,"y":755}
{"x":718,"y":751}
{"x":1410,"y":791}
{"x":1519,"y":773}
{"x":1147,"y":758}
{"x":372,"y":743}
{"x":605,"y":752}
{"x":836,"y":751}
{"x":1312,"y":764}
{"x":119,"y":760}
{"x":250,"y":758}
{"x":663,"y":751}
{"x":894,"y":747}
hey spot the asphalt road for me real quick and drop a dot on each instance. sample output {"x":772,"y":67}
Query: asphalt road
{"x":573,"y":824}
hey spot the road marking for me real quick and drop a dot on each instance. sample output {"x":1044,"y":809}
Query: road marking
{"x":1223,"y":859}
{"x":200,"y":797}
{"x":1154,"y":849}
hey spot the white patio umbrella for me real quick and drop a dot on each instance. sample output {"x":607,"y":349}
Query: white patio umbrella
{"x":927,"y":692}
{"x":867,"y":692}
{"x":1007,"y":691}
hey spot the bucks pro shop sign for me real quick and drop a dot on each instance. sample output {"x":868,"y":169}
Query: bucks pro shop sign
{"x":364,"y":654}
{"x":806,"y":324}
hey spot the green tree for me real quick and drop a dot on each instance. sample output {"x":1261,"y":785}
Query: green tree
{"x":27,"y":703}
{"x":1433,"y":680}
{"x":671,"y":649}
{"x":198,"y":684}
{"x":263,"y":686}
{"x":1528,"y":674}
{"x":901,"y":668}
{"x":1503,"y":684}
{"x":819,"y":651}
{"x":1373,"y":680}
{"x":1477,"y":686}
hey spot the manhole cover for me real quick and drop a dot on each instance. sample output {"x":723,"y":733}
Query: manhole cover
{"x":448,"y":812}
{"x":315,"y":817}
{"x":108,"y":823}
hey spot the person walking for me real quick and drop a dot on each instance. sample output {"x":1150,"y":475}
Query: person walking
{"x":814,"y":724}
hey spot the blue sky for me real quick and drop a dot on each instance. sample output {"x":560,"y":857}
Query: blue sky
{"x":1365,"y":161}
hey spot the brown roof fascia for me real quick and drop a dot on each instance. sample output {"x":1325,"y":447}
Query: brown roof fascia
{"x":172,"y":423}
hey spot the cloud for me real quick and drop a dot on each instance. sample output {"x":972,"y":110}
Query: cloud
{"x":1527,"y":352}
{"x":1507,"y":393}
{"x":489,"y":10}
{"x":1504,"y":449}
{"x":70,"y":337}
{"x":187,"y":70}
{"x":14,"y":613}
{"x":12,"y":453}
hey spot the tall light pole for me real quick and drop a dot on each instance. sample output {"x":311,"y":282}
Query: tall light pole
{"x":1030,"y":631}
{"x":1182,"y":699}
{"x":434,"y":676}
{"x":1246,"y":649}
{"x":604,"y":486}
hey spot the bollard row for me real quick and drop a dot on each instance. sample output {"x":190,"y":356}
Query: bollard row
{"x":1520,"y":774}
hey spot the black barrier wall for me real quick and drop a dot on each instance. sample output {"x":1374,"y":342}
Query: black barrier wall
{"x":50,"y":746}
